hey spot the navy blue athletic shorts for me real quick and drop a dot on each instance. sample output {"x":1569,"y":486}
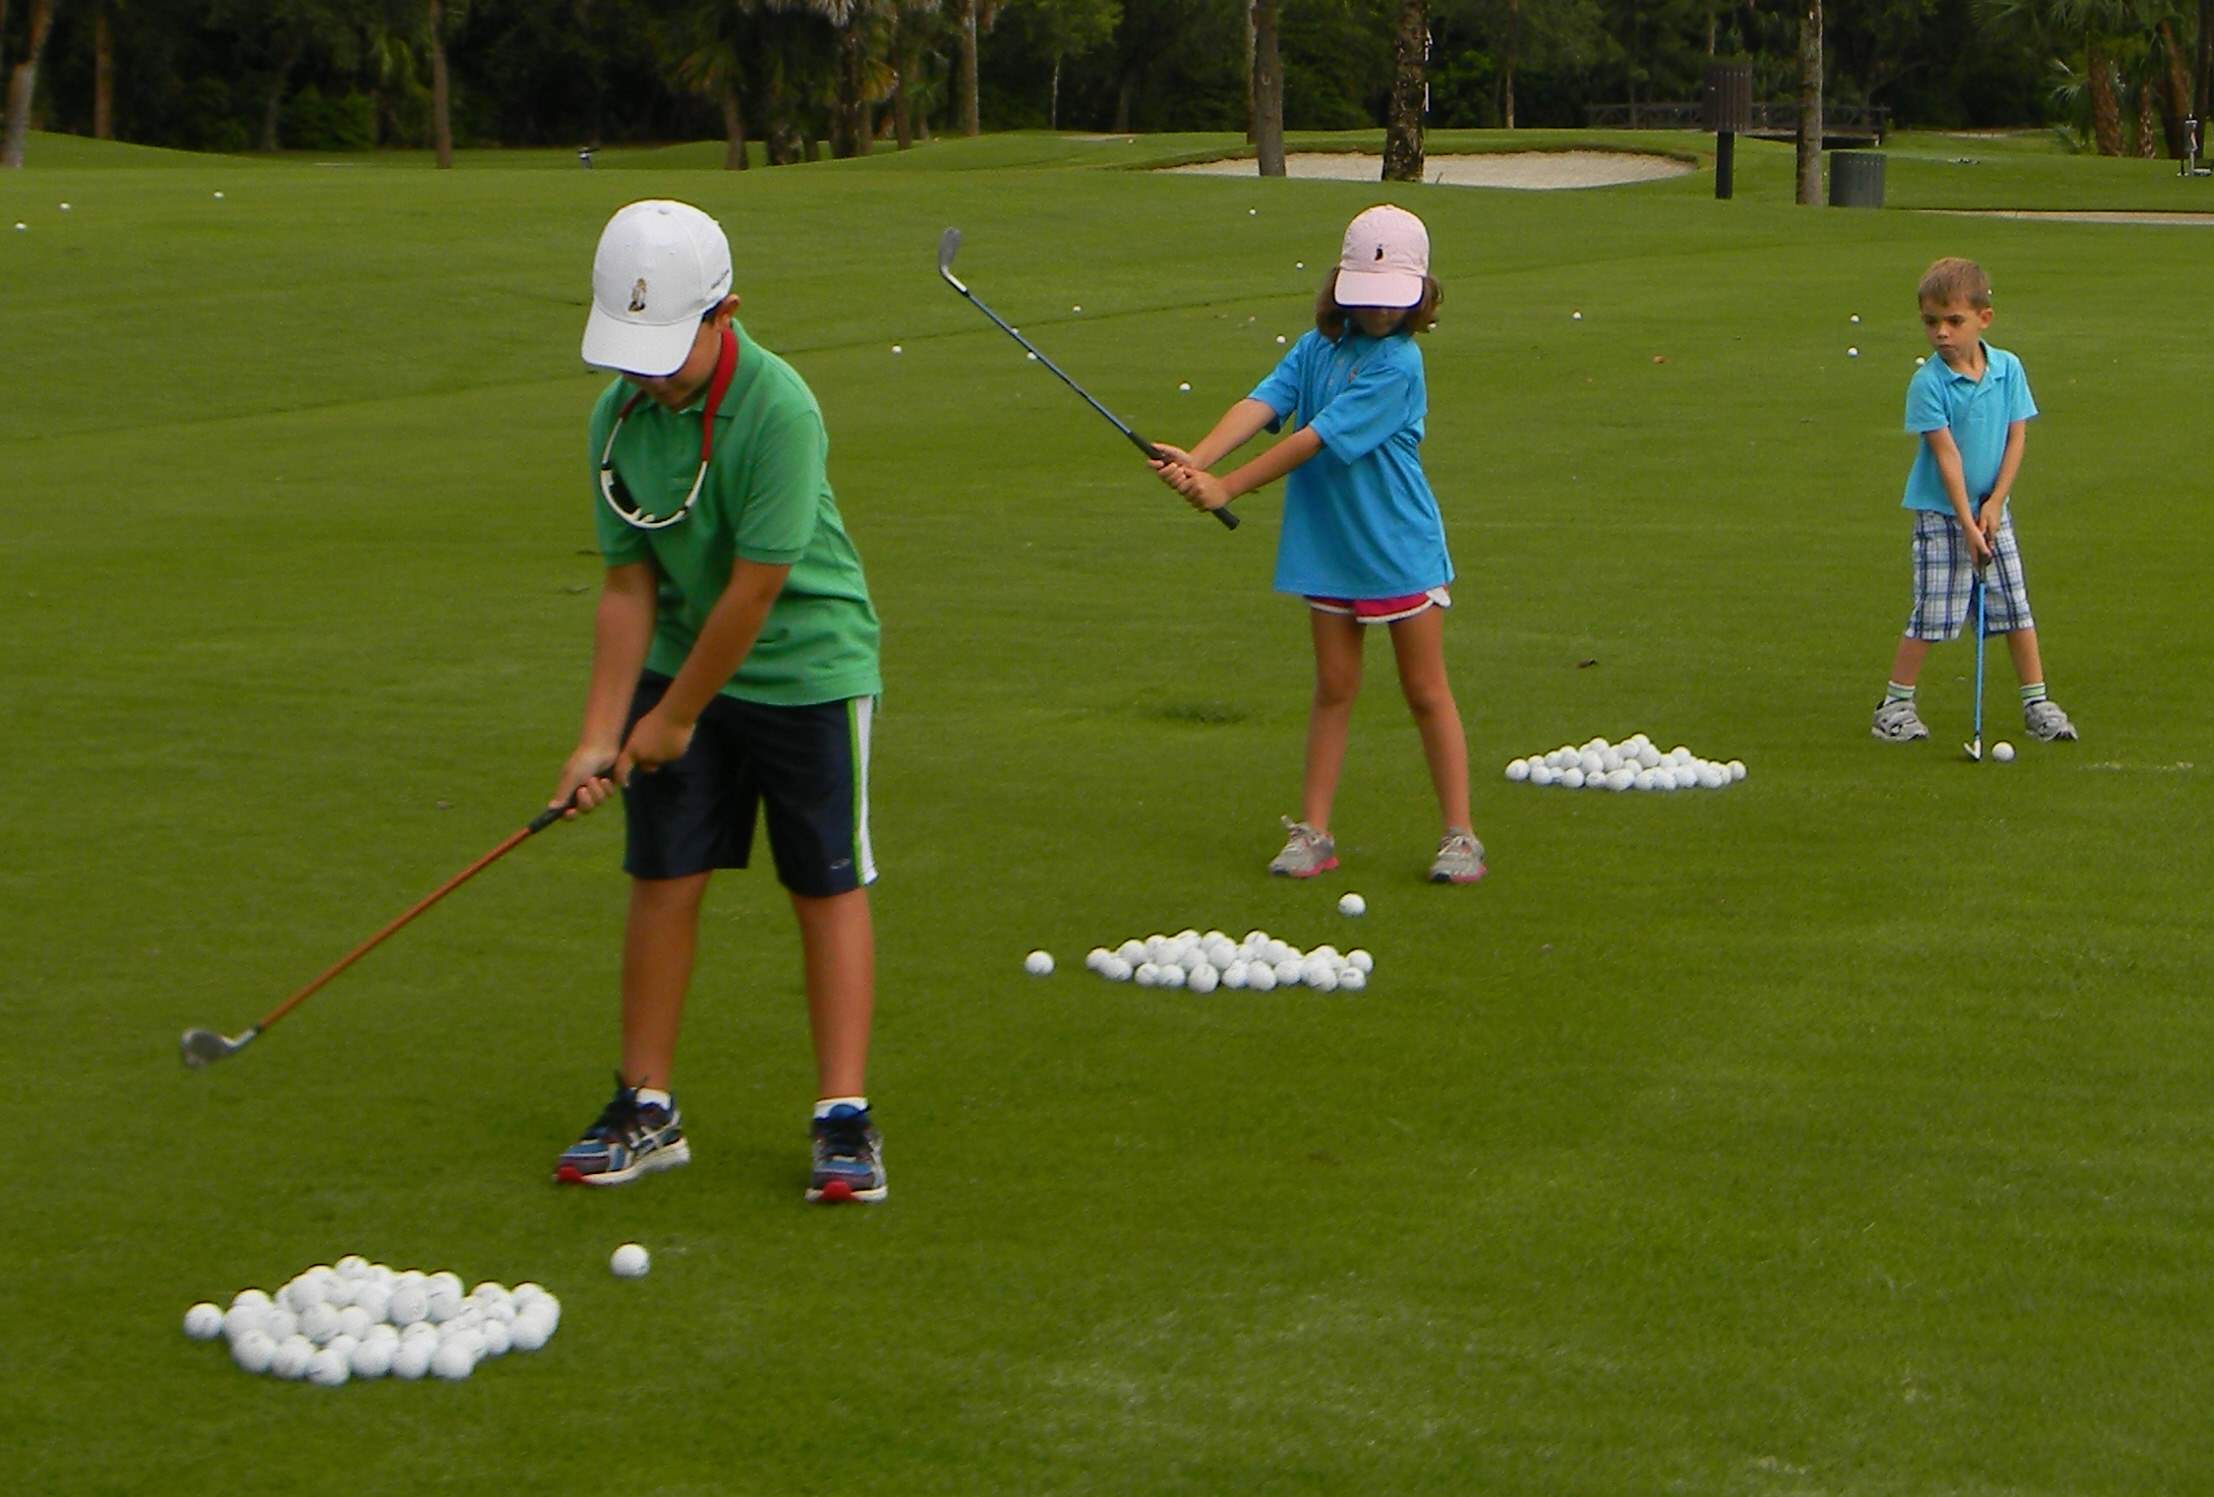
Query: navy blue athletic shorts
{"x":808,"y":765}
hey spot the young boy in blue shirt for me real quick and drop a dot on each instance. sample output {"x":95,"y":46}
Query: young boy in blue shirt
{"x":1971,"y":406}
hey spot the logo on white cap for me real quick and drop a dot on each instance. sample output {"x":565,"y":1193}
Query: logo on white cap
{"x":1384,"y":260}
{"x":683,"y":256}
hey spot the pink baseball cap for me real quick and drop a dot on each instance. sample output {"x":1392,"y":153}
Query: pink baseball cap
{"x":1386,"y":255}
{"x":661,"y":267}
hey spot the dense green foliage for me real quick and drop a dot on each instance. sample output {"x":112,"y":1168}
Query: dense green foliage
{"x":330,"y":75}
{"x":1846,"y":1132}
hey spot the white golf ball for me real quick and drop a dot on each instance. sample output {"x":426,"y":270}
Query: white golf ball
{"x":1288,"y":972}
{"x":1647,"y":779}
{"x":1038,"y":964}
{"x":1279,"y":337}
{"x":1184,"y":385}
{"x":1234,"y":975}
{"x":422,"y":1330}
{"x":1360,"y":961}
{"x":1096,"y":958}
{"x":373,"y":1358}
{"x":1572,"y":778}
{"x":241,"y":1319}
{"x":530,"y":1332}
{"x":1147,"y":974}
{"x":629,"y":1261}
{"x":355,"y":1321}
{"x":1610,"y":760}
{"x":1518,"y":770}
{"x":319,"y":1323}
{"x":1352,"y":980}
{"x":447,"y":1277}
{"x":372,"y":1299}
{"x":1543,"y":774}
{"x":203,"y":1322}
{"x":1260,"y":977}
{"x":1852,"y":353}
{"x":1648,"y":757}
{"x":338,"y":1291}
{"x":1170,"y":975}
{"x":382,"y":1332}
{"x":219,"y":194}
{"x":441,"y":1304}
{"x":1737,"y":769}
{"x":1323,"y":979}
{"x":1575,"y":317}
{"x":413,"y":1358}
{"x":65,"y":207}
{"x":1622,"y":779}
{"x":21,"y":227}
{"x":407,"y":1304}
{"x":1591,"y":762}
{"x":454,"y":1360}
{"x":290,"y":1359}
{"x":1202,"y":979}
{"x":1352,"y":904}
{"x":498,"y":1337}
{"x":344,"y":1346}
{"x":2001,"y":751}
{"x":1855,"y":317}
{"x":1299,"y":265}
{"x":253,"y":1352}
{"x":252,"y":1297}
{"x":897,"y":349}
{"x":1251,"y":212}
{"x":280,"y":1325}
{"x":352,"y":1266}
{"x":302,"y":1293}
{"x":1132,"y":952}
{"x":1115,"y":969}
{"x":1713,"y":777}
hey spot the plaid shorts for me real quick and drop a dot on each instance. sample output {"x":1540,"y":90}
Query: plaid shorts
{"x":1944,"y":572}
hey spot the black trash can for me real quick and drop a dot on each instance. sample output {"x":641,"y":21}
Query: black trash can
{"x":1856,"y":179}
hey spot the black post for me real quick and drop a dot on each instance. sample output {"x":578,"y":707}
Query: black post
{"x":1729,"y":109}
{"x":1725,"y":163}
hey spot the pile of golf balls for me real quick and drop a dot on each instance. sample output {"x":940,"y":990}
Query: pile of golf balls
{"x":1636,"y":763}
{"x":359,"y":1319}
{"x":1203,"y":961}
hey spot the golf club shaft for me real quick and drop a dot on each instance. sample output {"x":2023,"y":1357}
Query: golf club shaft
{"x":538,"y":823}
{"x":1153,"y":454}
{"x":1979,"y":660}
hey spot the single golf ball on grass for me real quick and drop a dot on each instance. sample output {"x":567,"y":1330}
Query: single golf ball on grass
{"x":1351,"y":904}
{"x":629,"y":1261}
{"x":1038,"y":964}
{"x":203,"y":1322}
{"x":1184,"y":387}
{"x":2001,"y":751}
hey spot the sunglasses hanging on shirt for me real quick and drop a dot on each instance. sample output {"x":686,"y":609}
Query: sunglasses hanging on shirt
{"x":617,"y":493}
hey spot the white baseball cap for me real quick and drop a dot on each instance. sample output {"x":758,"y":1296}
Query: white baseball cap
{"x":660,"y":268}
{"x":1386,"y":255}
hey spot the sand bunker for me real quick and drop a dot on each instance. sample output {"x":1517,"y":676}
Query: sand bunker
{"x":1528,"y":170}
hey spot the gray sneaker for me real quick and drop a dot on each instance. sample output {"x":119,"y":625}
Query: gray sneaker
{"x":1460,"y":859}
{"x":2046,"y":722}
{"x":1306,"y":853}
{"x":1898,"y":722}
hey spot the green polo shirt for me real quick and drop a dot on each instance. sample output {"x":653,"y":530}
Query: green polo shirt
{"x":767,"y":499}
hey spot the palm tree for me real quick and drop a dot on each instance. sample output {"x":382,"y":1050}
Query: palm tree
{"x":1268,"y":90}
{"x":1810,"y":103}
{"x":1409,"y":93}
{"x":22,"y":80}
{"x":709,"y":40}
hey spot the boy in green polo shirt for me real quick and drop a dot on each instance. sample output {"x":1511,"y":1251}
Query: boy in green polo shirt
{"x":734,"y":667}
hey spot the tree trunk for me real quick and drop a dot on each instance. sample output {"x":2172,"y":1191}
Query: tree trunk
{"x":103,"y":76}
{"x":442,"y":115}
{"x":2175,"y":87}
{"x":1514,"y":52}
{"x":22,"y":79}
{"x":1252,"y":79}
{"x":2148,"y":122}
{"x":272,"y":109}
{"x":1810,"y":104}
{"x":970,"y":123}
{"x":2202,"y":93}
{"x":1053,"y":99}
{"x":2106,"y":110}
{"x":1268,"y":89}
{"x":853,"y":110}
{"x":1403,"y":129}
{"x":1126,"y":92}
{"x":906,"y":62}
{"x":734,"y":129}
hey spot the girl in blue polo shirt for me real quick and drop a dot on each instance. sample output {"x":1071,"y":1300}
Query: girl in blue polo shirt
{"x":1362,"y":539}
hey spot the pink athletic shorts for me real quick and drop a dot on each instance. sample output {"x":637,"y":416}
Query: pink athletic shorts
{"x":1383,"y":610}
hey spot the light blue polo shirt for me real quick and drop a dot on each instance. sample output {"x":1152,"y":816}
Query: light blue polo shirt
{"x":1978,"y":412}
{"x":1359,"y":518}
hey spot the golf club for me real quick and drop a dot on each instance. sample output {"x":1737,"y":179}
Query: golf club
{"x":202,"y":1047}
{"x":950,"y":241}
{"x":1974,"y":747}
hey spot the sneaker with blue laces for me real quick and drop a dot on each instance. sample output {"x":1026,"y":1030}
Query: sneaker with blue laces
{"x":849,"y":1157}
{"x":630,"y":1138}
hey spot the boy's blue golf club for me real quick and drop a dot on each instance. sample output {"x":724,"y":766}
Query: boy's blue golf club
{"x":1974,"y":746}
{"x":950,"y":241}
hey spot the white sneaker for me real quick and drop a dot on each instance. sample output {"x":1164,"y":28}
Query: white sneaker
{"x":1898,"y":722}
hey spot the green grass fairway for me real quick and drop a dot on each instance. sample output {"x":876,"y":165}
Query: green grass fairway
{"x":1847,"y":1132}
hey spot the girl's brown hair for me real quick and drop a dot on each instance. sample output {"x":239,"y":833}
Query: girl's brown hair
{"x":1419,"y":318}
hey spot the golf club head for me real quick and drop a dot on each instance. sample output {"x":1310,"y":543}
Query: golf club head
{"x":204,"y":1047}
{"x":1973,"y":749}
{"x":948,"y":243}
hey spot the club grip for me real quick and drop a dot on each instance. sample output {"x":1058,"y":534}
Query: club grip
{"x":1229,"y":520}
{"x":552,"y":814}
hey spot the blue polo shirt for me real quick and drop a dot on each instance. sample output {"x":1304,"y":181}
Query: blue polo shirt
{"x":1359,"y":518}
{"x":1977,"y":412}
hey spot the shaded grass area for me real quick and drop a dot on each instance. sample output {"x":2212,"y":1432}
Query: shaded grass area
{"x":1845,"y":1132}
